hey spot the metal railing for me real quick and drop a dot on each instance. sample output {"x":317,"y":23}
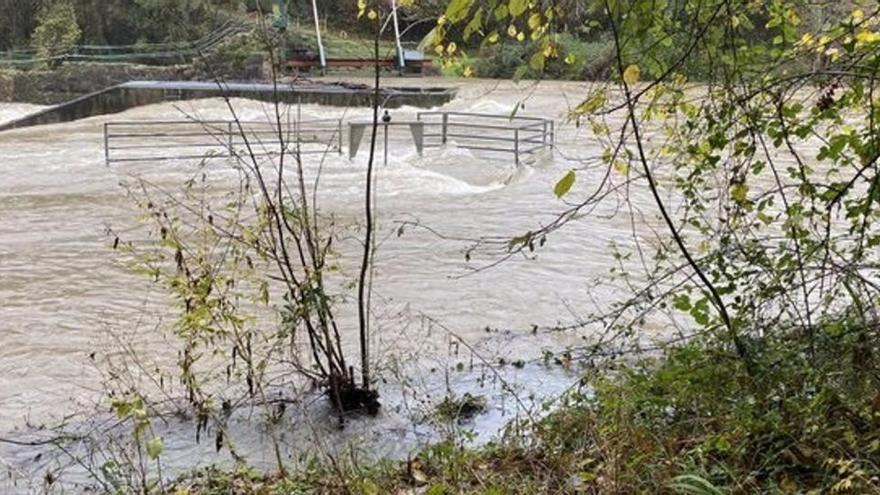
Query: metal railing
{"x":203,"y":140}
{"x":518,"y":135}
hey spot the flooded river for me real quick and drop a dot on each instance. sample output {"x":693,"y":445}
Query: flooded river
{"x":61,"y":290}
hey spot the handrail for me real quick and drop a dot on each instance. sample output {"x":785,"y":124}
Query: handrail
{"x":485,"y":115}
{"x":516,"y":138}
{"x":181,"y":135}
{"x":524,"y":129}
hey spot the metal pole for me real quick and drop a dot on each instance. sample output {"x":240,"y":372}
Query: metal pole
{"x":386,"y":144}
{"x":106,"y":144}
{"x":516,"y":144}
{"x":443,"y":131}
{"x":229,"y":137}
{"x":318,"y":33}
{"x":400,"y":58}
{"x":340,"y":136}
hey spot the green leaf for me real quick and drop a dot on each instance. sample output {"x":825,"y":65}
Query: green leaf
{"x":537,"y":61}
{"x":155,"y":446}
{"x":591,"y":104}
{"x":534,"y":22}
{"x":439,"y":489}
{"x":739,"y":192}
{"x":474,"y":26}
{"x":692,"y":484}
{"x":264,"y":292}
{"x":369,"y":488}
{"x":457,"y":10}
{"x":632,"y":74}
{"x":564,"y":184}
{"x":517,"y":7}
{"x":681,"y":302}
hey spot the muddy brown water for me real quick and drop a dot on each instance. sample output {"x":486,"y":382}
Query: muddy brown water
{"x":61,"y":290}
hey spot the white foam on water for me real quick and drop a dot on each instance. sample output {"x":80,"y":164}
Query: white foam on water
{"x":15,"y":111}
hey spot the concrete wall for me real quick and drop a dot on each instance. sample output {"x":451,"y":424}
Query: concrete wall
{"x":122,"y":97}
{"x":52,"y":87}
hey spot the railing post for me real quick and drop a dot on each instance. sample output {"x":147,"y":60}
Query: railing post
{"x":553,"y":133}
{"x":106,"y":144}
{"x":229,"y":137}
{"x":443,"y":131}
{"x":386,"y":144}
{"x":340,"y":136}
{"x":516,"y":144}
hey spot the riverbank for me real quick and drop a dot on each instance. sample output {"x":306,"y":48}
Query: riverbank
{"x":51,"y":87}
{"x":695,"y":421}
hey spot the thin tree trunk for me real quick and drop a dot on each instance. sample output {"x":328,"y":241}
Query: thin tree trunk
{"x":363,"y":314}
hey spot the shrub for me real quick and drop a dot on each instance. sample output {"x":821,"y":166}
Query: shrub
{"x":577,"y":60}
{"x":57,"y":31}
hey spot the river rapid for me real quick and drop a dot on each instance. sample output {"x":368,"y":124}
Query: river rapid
{"x":62,"y":292}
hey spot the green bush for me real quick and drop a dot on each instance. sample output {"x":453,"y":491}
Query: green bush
{"x":577,"y":60}
{"x":57,"y":32}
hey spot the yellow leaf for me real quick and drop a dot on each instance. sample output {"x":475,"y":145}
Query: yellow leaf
{"x":866,"y":36}
{"x":493,"y":38}
{"x":632,"y":74}
{"x":511,"y":31}
{"x":858,"y":15}
{"x":520,"y":36}
{"x":534,"y":21}
{"x":591,"y":104}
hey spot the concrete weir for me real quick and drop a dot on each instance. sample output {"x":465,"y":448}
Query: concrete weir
{"x":137,"y":93}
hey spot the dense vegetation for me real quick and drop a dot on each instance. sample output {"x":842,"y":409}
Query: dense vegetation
{"x":694,"y":422}
{"x":124,"y":22}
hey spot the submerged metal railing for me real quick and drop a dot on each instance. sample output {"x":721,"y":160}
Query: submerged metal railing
{"x":519,"y":135}
{"x":202,"y":140}
{"x":181,"y":140}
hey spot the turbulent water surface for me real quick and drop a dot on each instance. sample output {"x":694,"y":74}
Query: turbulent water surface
{"x":62,"y":294}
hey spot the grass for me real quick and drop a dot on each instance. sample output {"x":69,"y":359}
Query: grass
{"x":695,"y":421}
{"x":460,"y":409}
{"x":339,"y":43}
